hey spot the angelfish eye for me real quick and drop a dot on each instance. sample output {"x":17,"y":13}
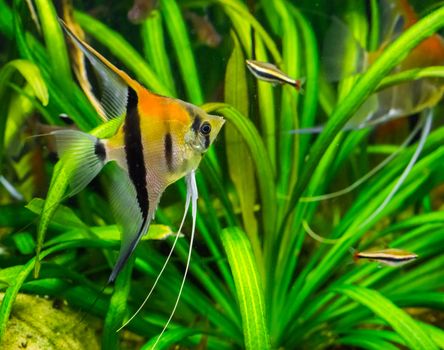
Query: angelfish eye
{"x":205,"y":128}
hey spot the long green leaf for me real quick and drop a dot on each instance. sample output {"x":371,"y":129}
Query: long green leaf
{"x":170,"y":338}
{"x":262,"y":162}
{"x":33,"y":77}
{"x":6,"y":20}
{"x":266,"y":106}
{"x":415,"y":337}
{"x":240,"y":164}
{"x":246,"y":16}
{"x":55,"y":42}
{"x":436,"y":333}
{"x":363,"y":88}
{"x":181,"y":42}
{"x":117,"y":307}
{"x":412,"y":74}
{"x":155,"y":50}
{"x":249,"y":290}
{"x":289,"y":116}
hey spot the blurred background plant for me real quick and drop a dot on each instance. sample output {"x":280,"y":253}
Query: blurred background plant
{"x":260,"y":277}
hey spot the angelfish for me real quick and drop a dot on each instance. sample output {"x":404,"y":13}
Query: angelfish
{"x":389,"y":257}
{"x":269,"y":72}
{"x":161,"y":140}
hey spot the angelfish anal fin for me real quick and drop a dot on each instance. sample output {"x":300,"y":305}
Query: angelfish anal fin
{"x":127,"y":213}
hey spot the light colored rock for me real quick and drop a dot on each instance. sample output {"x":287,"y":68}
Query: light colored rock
{"x":38,"y":323}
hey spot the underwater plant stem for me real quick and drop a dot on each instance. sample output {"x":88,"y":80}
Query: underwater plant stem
{"x":317,"y":237}
{"x":374,"y":26}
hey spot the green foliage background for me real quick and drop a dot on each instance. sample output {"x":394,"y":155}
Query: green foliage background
{"x":257,"y":281}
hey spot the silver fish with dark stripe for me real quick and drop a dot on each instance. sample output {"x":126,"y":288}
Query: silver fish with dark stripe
{"x":390,"y":257}
{"x":269,"y":72}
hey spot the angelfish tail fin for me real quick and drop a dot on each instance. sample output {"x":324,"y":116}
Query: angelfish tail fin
{"x":84,"y":155}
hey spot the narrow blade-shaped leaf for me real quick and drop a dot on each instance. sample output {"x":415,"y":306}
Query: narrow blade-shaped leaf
{"x":415,"y":337}
{"x":240,"y":164}
{"x":250,"y":293}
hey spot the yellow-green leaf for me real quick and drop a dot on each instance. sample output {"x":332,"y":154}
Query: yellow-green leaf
{"x":250,"y":293}
{"x":240,"y":163}
{"x":415,"y":337}
{"x":32,"y":75}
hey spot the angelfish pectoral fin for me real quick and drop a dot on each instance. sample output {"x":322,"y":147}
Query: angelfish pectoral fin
{"x":84,"y":155}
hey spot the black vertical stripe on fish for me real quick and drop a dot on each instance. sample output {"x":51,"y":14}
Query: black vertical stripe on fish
{"x":168,"y":148}
{"x":134,"y":152}
{"x":99,"y":150}
{"x":207,"y":141}
{"x":137,"y":173}
{"x":196,"y":123}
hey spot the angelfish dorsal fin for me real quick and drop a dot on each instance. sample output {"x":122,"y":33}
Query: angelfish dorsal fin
{"x":113,"y":82}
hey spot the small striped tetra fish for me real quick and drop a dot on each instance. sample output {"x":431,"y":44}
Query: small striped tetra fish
{"x":160,"y":140}
{"x":389,"y":257}
{"x":269,"y":72}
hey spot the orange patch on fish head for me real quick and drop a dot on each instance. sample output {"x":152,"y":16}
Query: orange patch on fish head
{"x":160,"y":107}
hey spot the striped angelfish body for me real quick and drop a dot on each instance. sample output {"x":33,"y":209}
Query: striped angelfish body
{"x":390,"y":257}
{"x":150,"y":144}
{"x":161,"y":139}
